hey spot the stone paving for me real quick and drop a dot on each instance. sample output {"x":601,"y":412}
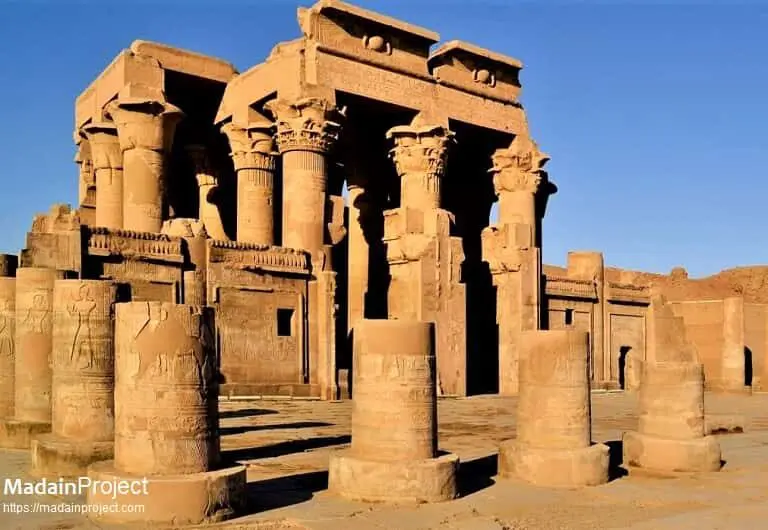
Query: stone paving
{"x":286,"y":445}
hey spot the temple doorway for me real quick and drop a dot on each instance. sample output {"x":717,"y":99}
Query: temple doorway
{"x":747,"y":366}
{"x":623,"y":354}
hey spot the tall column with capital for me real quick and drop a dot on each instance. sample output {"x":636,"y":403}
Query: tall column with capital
{"x":254,"y":157}
{"x":307,"y":130}
{"x":424,"y":260}
{"x":208,"y":184}
{"x":357,"y":263}
{"x":108,"y":165}
{"x":145,"y":128}
{"x":510,"y":248}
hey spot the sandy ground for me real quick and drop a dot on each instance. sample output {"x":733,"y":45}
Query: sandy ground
{"x":286,"y":444}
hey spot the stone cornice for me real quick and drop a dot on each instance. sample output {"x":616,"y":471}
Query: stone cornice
{"x":308,"y":124}
{"x":420,"y":149}
{"x":518,"y":167}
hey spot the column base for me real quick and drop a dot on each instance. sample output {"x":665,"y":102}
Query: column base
{"x":671,"y":456}
{"x":198,"y":498}
{"x":414,"y":482}
{"x":568,"y":468}
{"x":18,"y":434}
{"x":53,"y":456}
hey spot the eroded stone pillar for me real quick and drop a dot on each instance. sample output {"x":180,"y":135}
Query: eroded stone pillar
{"x":733,"y":363}
{"x":108,"y":166}
{"x":145,"y":128}
{"x":195,"y":275}
{"x":208,"y":185}
{"x":86,"y":181}
{"x":670,"y":435}
{"x":32,"y":364}
{"x":554,"y":422}
{"x":254,"y":158}
{"x":7,"y":348}
{"x":166,"y":419}
{"x":307,"y":129}
{"x":83,"y":422}
{"x":394,"y":455}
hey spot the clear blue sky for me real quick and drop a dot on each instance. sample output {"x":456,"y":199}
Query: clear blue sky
{"x":655,"y":116}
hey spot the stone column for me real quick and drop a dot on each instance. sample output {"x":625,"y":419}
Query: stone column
{"x":7,"y":349}
{"x":357,"y":263}
{"x":670,"y":435}
{"x":733,"y":364}
{"x":195,"y":275}
{"x":255,"y":161}
{"x":32,"y":365}
{"x":554,"y":419}
{"x":166,"y":419}
{"x":108,"y":165}
{"x":307,"y":129}
{"x":83,"y":380}
{"x":145,"y":129}
{"x":394,"y":455}
{"x":208,"y":186}
{"x":589,"y":266}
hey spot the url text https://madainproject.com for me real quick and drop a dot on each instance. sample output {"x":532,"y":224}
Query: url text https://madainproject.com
{"x":21,"y":508}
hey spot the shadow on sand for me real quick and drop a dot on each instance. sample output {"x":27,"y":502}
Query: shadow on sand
{"x":240,"y":429}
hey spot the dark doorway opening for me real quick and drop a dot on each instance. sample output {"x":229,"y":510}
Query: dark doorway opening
{"x":623,"y":352}
{"x":569,"y":317}
{"x":747,"y":366}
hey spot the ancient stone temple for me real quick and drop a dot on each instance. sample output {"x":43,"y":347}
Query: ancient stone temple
{"x":350,"y":176}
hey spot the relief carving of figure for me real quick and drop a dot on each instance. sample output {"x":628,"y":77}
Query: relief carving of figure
{"x":37,"y":314}
{"x":6,"y":334}
{"x":81,"y":308}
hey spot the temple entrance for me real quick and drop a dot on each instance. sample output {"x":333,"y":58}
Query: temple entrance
{"x":747,"y":366}
{"x":623,"y":354}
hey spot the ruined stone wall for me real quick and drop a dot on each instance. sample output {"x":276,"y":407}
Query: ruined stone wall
{"x":704,"y":322}
{"x":755,"y":336}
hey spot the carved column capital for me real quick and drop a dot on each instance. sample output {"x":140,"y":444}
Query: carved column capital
{"x":252,"y":146}
{"x":518,"y":167}
{"x":308,"y":124}
{"x":420,"y":149}
{"x":105,"y":145}
{"x":144,"y":123}
{"x":84,"y":158}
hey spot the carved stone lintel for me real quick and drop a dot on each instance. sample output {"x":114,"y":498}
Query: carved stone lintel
{"x":308,"y":124}
{"x":518,"y":167}
{"x":252,"y":145}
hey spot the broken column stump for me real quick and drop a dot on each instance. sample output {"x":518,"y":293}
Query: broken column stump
{"x":83,"y":418}
{"x":7,"y":345}
{"x":671,"y":431}
{"x":394,"y":456}
{"x":554,"y":420}
{"x":166,"y":420}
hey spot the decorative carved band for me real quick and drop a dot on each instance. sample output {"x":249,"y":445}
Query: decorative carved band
{"x":309,"y":124}
{"x":134,"y":245}
{"x":254,"y":257}
{"x":563,"y":287}
{"x":627,"y":292}
{"x":518,"y":167}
